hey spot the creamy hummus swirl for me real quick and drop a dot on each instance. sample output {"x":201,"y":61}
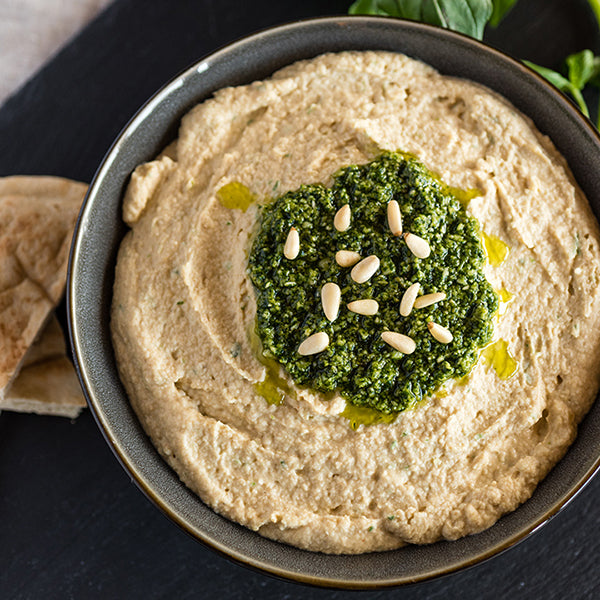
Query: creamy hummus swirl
{"x":183,"y":308}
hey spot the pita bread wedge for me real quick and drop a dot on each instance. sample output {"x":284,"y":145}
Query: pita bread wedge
{"x":47,"y":383}
{"x":37,"y":217}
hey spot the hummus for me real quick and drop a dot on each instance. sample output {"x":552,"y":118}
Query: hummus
{"x":184,"y":309}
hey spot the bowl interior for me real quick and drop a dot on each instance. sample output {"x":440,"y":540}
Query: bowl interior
{"x":100,"y":230}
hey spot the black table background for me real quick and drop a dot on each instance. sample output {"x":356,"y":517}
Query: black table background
{"x":72,"y":523}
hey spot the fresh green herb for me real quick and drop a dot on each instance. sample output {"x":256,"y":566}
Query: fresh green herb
{"x":180,"y":302}
{"x":567,"y":86}
{"x":370,"y":528}
{"x":357,"y":363}
{"x":465,"y":16}
{"x":576,"y":244}
{"x":583,"y":67}
{"x":391,"y":518}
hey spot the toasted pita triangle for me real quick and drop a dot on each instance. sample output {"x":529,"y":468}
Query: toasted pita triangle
{"x":47,"y":383}
{"x":37,"y":217}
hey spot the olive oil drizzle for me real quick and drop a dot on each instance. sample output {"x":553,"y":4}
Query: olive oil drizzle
{"x":270,"y":390}
{"x":362,"y":415}
{"x":463,"y":196}
{"x":498,"y":357}
{"x":505,"y":295}
{"x":235,"y":195}
{"x":495,"y":249}
{"x":273,"y":388}
{"x":505,"y":298}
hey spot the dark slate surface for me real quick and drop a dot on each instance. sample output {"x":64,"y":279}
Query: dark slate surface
{"x":72,"y":523}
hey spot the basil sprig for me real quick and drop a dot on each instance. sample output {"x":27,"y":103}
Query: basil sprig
{"x":582,"y":68}
{"x":465,"y":16}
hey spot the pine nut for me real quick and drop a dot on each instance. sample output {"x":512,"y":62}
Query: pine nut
{"x":341,"y":221}
{"x":399,"y":341}
{"x":346,"y":258}
{"x":417,"y":245}
{"x":292,"y":244}
{"x":365,"y":269}
{"x":394,"y":217}
{"x":330,"y":299}
{"x":364,"y":307}
{"x":408,"y":299}
{"x":441,"y":334}
{"x":429,"y":299}
{"x":313,"y":344}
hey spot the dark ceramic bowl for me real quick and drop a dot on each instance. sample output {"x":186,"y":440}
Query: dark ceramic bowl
{"x":100,"y":229}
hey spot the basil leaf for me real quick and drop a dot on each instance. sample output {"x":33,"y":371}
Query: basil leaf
{"x":501,"y":7}
{"x":411,"y":9}
{"x":465,"y":16}
{"x":556,"y":79}
{"x":581,"y":68}
{"x":562,"y":83}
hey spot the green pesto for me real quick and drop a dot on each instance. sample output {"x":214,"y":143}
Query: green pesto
{"x":357,"y":363}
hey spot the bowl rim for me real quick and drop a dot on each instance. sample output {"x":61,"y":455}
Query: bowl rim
{"x":100,"y":417}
